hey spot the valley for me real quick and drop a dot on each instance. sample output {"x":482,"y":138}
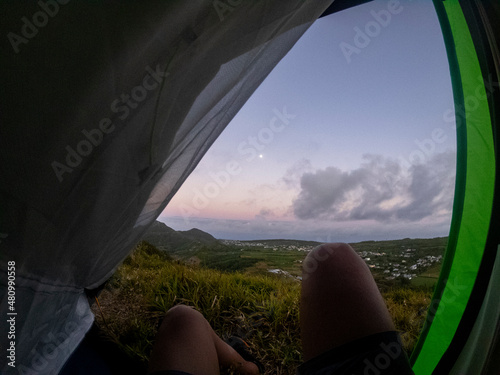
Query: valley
{"x":406,"y":260}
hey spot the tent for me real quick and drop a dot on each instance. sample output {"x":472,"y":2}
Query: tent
{"x":106,"y":109}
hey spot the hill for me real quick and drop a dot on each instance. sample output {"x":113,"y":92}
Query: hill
{"x":406,"y":258}
{"x":198,"y":235}
{"x":172,"y":241}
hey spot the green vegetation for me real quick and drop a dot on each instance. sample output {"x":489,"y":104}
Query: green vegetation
{"x":253,"y":260}
{"x":429,"y":277}
{"x":261,"y":307}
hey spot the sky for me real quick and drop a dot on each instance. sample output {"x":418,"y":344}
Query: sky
{"x":348,"y":139}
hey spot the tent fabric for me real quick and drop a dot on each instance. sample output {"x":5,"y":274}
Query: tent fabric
{"x":465,"y":354}
{"x":479,"y":349}
{"x":463,"y":303}
{"x":105,"y":110}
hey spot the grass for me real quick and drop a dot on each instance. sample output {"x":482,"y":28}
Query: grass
{"x":261,"y":308}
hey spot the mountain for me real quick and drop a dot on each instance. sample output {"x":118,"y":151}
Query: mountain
{"x":168,"y":239}
{"x":199,"y":236}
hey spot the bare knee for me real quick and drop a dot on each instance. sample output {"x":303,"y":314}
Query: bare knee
{"x":340,"y":300}
{"x":184,"y":342}
{"x":180,"y":317}
{"x":332,"y":260}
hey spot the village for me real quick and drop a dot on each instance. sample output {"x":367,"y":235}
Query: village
{"x":407,"y":266}
{"x":405,"y":262}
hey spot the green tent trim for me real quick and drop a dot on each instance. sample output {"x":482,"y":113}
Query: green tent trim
{"x":474,"y":193}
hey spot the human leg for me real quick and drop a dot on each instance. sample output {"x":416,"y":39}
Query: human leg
{"x":340,"y":301}
{"x":186,"y":342}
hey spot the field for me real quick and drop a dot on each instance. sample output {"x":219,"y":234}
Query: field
{"x":429,"y":277}
{"x":239,"y":296}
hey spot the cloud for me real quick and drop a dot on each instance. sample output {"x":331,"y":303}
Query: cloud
{"x":265,"y":214}
{"x":380,"y":189}
{"x":292,"y":176}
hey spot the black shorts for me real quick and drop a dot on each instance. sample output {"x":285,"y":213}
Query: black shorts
{"x":378,"y":354}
